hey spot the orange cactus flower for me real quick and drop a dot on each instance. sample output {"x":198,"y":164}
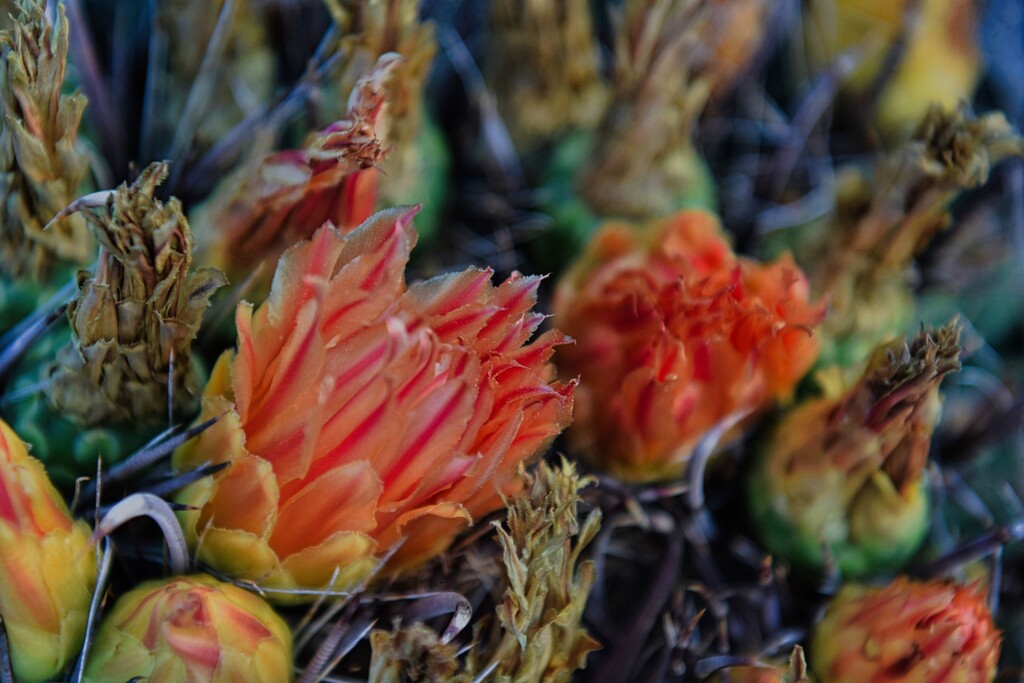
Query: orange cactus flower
{"x":191,"y":628}
{"x":359,"y":414}
{"x":47,"y":566}
{"x":908,"y":631}
{"x":676,"y":333}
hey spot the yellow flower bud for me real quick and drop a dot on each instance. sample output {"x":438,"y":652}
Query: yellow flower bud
{"x":191,"y":628}
{"x":47,"y":566}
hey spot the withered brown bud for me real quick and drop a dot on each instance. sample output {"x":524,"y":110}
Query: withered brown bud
{"x":134,"y":319}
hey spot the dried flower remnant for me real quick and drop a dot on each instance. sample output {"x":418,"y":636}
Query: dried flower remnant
{"x":415,"y":170}
{"x":47,"y":567}
{"x":675,"y":333}
{"x":907,"y":631}
{"x":413,"y":654}
{"x":643,"y":163}
{"x":847,"y":473}
{"x":134,"y":320}
{"x":361,"y":417}
{"x":41,"y":164}
{"x":638,"y":162}
{"x":884,"y":219}
{"x":545,"y":69}
{"x":289,"y":194}
{"x":191,"y":628}
{"x":539,"y":635}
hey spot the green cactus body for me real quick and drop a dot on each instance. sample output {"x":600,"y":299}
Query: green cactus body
{"x":428,"y":184}
{"x":856,"y":550}
{"x":574,"y":220}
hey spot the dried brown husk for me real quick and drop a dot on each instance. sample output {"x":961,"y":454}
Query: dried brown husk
{"x":886,"y":215}
{"x":658,"y":91}
{"x":413,"y":654}
{"x":134,"y":320}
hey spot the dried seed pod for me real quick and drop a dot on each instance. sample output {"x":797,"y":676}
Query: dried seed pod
{"x":539,"y":635}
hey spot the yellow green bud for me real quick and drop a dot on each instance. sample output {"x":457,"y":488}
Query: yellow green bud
{"x":843,"y":478}
{"x":191,"y":628}
{"x":47,"y":567}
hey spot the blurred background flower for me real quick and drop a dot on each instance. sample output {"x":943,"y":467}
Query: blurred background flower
{"x":675,"y":334}
{"x":909,"y":55}
{"x":906,"y":631}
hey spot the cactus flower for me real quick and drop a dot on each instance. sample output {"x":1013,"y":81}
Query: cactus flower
{"x":361,"y":417}
{"x":191,"y":628}
{"x":847,"y":473}
{"x":939,"y":62}
{"x":47,"y":566}
{"x":906,"y":632}
{"x":675,"y":333}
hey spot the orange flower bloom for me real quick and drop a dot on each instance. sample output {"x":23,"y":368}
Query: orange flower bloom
{"x":674,"y":334}
{"x":359,"y":413}
{"x":47,"y":566}
{"x":908,"y":631}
